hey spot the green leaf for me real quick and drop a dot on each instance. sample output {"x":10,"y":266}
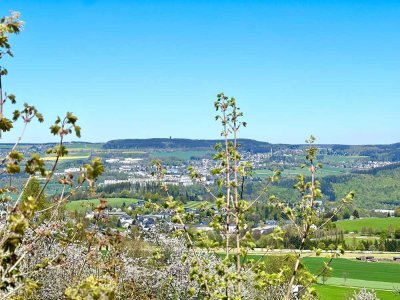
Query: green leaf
{"x":5,"y":124}
{"x":77,"y":131}
{"x":55,"y":129}
{"x":71,"y":119}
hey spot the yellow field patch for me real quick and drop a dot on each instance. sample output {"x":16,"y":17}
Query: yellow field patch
{"x":52,"y":158}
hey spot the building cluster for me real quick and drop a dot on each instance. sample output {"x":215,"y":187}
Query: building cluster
{"x":145,"y":222}
{"x":369,"y":165}
{"x":389,"y":212}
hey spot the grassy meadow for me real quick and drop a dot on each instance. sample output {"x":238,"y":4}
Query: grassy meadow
{"x":354,"y":269}
{"x":377,"y":224}
{"x":330,"y":292}
{"x":81,"y":205}
{"x":348,"y":275}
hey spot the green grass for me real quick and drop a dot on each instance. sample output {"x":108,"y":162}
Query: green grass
{"x":378,"y":276}
{"x":377,"y":224}
{"x":114,"y":202}
{"x":184,"y":155}
{"x":386,"y":272}
{"x":329,"y":292}
{"x":382,"y":277}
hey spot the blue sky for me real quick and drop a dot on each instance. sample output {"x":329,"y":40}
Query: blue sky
{"x":139,"y":69}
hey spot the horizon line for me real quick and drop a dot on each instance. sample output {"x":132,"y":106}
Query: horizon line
{"x":203,"y":139}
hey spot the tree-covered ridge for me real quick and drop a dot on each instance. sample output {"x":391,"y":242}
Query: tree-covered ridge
{"x":390,"y":152}
{"x":172,"y":143}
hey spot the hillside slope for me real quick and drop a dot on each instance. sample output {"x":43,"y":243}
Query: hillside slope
{"x":372,"y":191}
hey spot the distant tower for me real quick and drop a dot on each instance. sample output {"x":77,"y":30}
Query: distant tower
{"x":170,"y":137}
{"x":271,"y":152}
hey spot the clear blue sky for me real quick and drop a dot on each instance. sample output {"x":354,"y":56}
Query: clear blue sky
{"x":139,"y":69}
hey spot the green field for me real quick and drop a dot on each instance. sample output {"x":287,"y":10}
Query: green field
{"x":114,"y":202}
{"x":348,"y":275}
{"x":329,"y":292}
{"x":387,"y":272}
{"x":377,"y":224}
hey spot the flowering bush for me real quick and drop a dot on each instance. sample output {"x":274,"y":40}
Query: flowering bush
{"x":364,"y":294}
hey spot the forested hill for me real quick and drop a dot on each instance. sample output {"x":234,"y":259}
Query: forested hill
{"x":162,"y":143}
{"x":389,"y":152}
{"x":378,"y":190}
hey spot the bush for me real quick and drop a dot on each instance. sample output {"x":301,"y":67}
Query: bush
{"x":364,"y":294}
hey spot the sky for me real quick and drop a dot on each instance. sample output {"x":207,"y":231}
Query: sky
{"x":141,"y":69}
